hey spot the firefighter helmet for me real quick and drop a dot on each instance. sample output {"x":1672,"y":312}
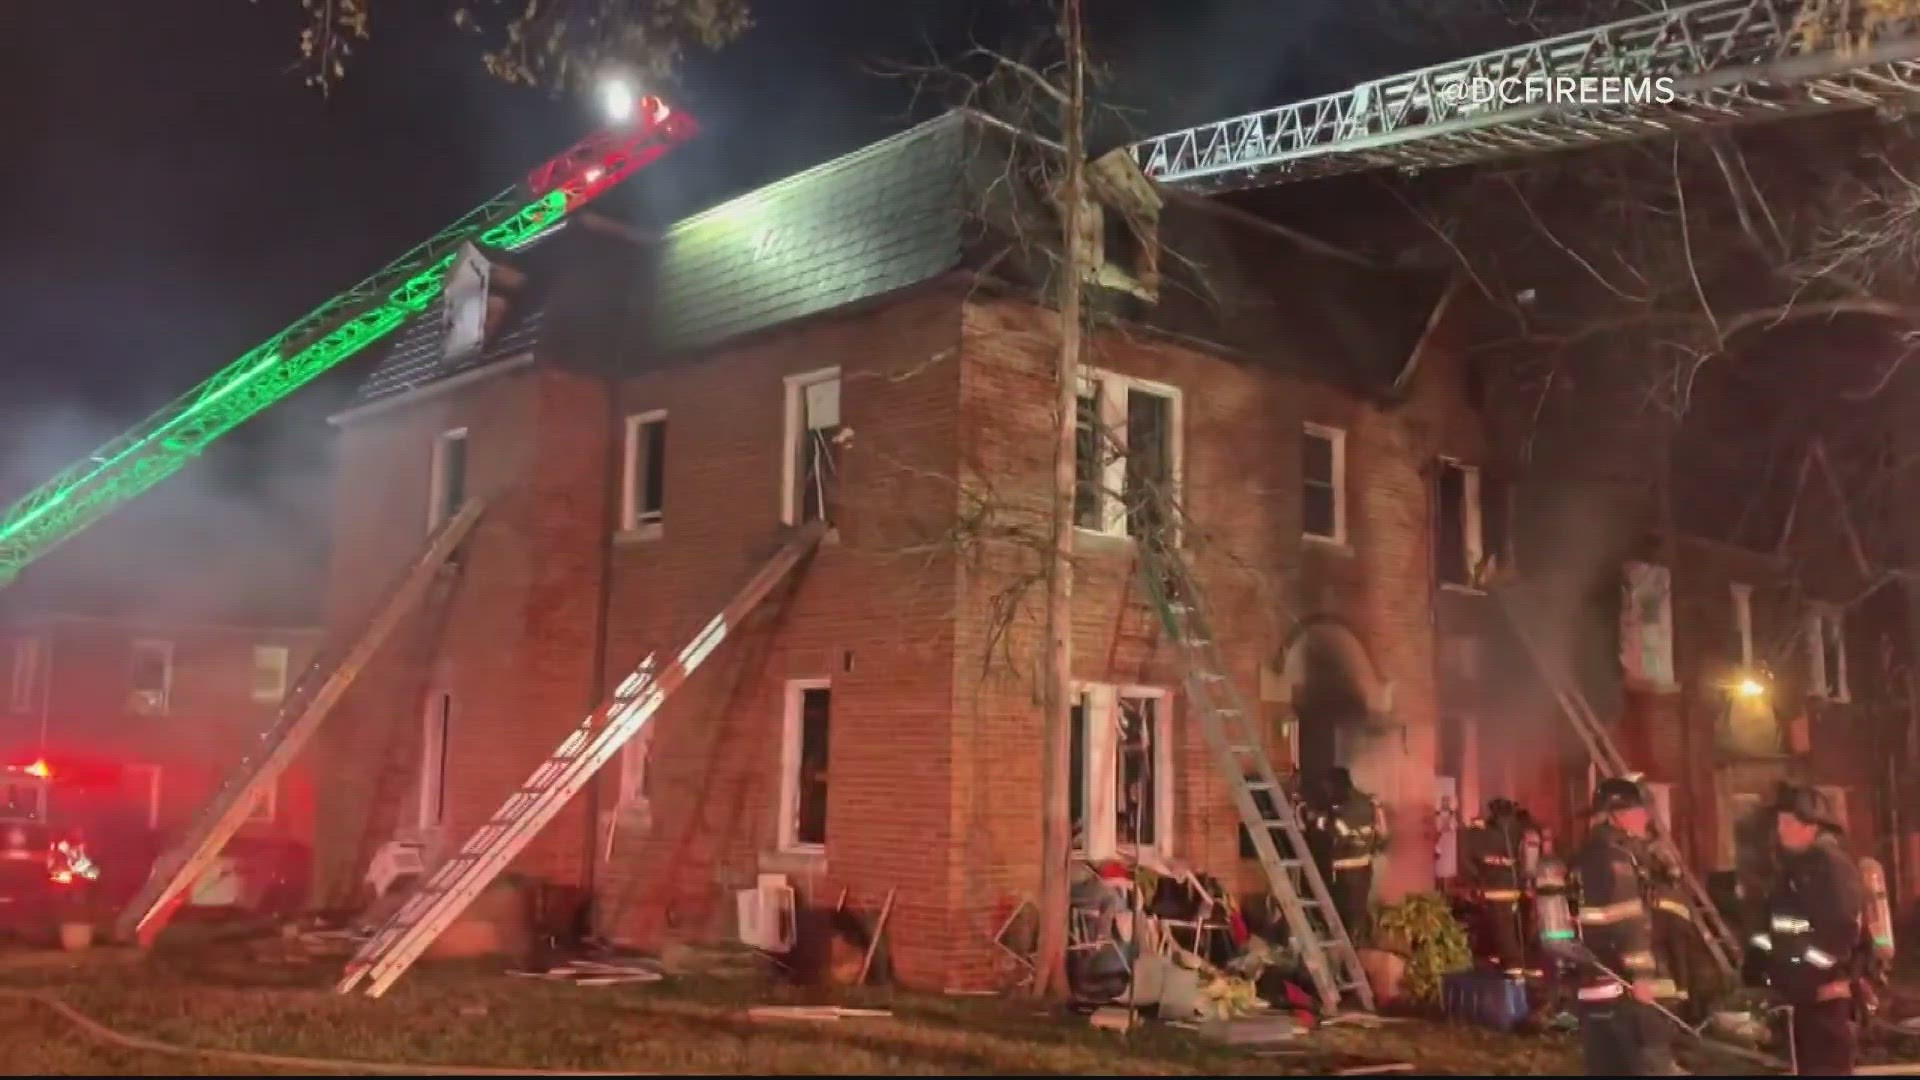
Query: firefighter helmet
{"x":1618,"y":793}
{"x":1808,"y":803}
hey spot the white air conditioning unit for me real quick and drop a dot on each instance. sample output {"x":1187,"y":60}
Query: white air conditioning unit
{"x":396,"y":859}
{"x":767,"y":919}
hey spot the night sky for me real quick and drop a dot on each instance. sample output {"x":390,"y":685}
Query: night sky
{"x":174,"y":193}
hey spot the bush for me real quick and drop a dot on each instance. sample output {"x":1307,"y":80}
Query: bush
{"x":1422,"y":929}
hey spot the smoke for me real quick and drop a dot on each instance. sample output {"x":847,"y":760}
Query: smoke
{"x":237,"y":536}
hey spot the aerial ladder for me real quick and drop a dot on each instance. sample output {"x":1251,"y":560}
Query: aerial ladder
{"x":1728,"y":62}
{"x":334,"y":332}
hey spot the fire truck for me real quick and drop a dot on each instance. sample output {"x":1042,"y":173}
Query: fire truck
{"x":69,"y":839}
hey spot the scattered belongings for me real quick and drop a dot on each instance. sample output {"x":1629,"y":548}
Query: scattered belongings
{"x":812,"y":1012}
{"x":1253,"y":1030}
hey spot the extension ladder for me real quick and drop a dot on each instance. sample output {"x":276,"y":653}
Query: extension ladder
{"x":1605,"y":753}
{"x":1274,"y":828}
{"x":309,"y":701}
{"x":437,"y":903}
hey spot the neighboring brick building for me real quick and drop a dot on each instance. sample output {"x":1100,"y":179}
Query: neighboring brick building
{"x":861,"y":337}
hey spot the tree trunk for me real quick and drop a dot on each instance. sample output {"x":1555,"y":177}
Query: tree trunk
{"x":1056,"y":831}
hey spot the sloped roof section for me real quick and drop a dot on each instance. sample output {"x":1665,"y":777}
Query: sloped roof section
{"x":879,"y":219}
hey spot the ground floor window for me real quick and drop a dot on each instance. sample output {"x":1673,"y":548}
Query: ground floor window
{"x":803,"y":773}
{"x":1121,"y":761}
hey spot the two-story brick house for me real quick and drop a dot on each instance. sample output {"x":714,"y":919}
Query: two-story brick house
{"x":863,"y":341}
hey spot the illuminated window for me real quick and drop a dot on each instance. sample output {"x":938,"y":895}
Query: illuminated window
{"x":813,"y":438}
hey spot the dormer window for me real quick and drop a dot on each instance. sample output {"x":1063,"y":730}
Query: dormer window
{"x":464,"y":316}
{"x":1126,"y":213}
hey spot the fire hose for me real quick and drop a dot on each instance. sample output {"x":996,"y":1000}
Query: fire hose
{"x":1579,"y":952}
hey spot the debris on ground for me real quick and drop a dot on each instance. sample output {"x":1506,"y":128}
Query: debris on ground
{"x":813,"y":1012}
{"x":594,"y":973}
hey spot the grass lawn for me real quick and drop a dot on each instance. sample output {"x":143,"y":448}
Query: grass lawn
{"x":221,"y":996}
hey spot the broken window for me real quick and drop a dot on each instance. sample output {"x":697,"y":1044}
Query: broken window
{"x":1456,"y":548}
{"x":269,"y":674}
{"x":814,"y":438}
{"x":1122,"y":772}
{"x":644,"y":492}
{"x":464,"y":309}
{"x":449,"y":484}
{"x":1126,"y":455}
{"x":1827,"y":653}
{"x":25,"y":660}
{"x":151,"y":678}
{"x":1323,"y":479}
{"x":809,"y":717}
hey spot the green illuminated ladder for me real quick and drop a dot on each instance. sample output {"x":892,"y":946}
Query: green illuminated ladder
{"x":307,"y":705}
{"x":337,"y":330}
{"x":1274,"y":828}
{"x":1720,"y":939}
{"x":436,"y":904}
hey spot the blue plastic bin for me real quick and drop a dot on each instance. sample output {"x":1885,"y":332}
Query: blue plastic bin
{"x":1489,"y":999}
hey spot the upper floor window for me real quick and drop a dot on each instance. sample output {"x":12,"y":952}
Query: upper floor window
{"x":448,"y":489}
{"x":269,"y":674}
{"x":1126,"y":455}
{"x":1827,"y":652}
{"x":1323,"y":483}
{"x":1741,"y":596}
{"x":814,"y":436}
{"x":464,"y":308}
{"x":26,"y":661}
{"x":1457,"y":549}
{"x":643,"y":485}
{"x":150,"y":689}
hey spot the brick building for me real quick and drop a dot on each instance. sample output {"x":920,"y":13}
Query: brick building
{"x":862,"y":341}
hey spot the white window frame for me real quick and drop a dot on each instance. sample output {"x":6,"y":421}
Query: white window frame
{"x":632,"y":522}
{"x":283,"y":660}
{"x":1100,"y":781}
{"x":435,"y":737}
{"x":1338,"y":437}
{"x":25,"y":674}
{"x":1472,"y":527}
{"x":790,"y":735}
{"x":1741,"y":595}
{"x":468,"y":285}
{"x":1821,"y":685}
{"x":795,"y":415}
{"x":437,"y":485}
{"x":266,"y":806}
{"x":1111,"y":392}
{"x":165,"y":648}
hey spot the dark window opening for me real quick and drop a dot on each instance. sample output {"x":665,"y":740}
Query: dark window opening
{"x":1149,"y":480}
{"x":810,"y":818}
{"x":1077,"y":773}
{"x":1319,"y":487}
{"x":453,"y":476}
{"x":1450,"y":544}
{"x":1089,"y":460}
{"x":1138,"y":743}
{"x":649,"y":473}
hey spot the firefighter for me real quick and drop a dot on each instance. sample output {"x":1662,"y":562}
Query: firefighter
{"x":1495,"y":847}
{"x":1349,"y":830}
{"x":1621,"y":1035}
{"x":1814,"y":919}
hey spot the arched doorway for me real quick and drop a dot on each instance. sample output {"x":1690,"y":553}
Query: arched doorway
{"x":1334,"y":697}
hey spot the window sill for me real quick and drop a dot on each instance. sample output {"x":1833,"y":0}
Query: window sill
{"x":1327,"y":544}
{"x":1463,"y":590}
{"x":651,"y":530}
{"x":794,"y":860}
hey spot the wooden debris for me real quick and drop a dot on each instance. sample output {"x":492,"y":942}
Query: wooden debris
{"x":1372,"y":1070}
{"x":812,"y":1012}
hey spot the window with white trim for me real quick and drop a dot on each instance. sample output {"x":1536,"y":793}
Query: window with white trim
{"x":813,"y":440}
{"x":269,"y":674}
{"x":1457,"y":547}
{"x":150,"y":678}
{"x":25,"y":670}
{"x":464,"y":304}
{"x":1127,"y":451}
{"x":806,"y":730}
{"x":1121,"y":762}
{"x":449,"y":485}
{"x":1827,"y":652}
{"x":643,"y":487}
{"x":1741,"y":596}
{"x":1323,"y":483}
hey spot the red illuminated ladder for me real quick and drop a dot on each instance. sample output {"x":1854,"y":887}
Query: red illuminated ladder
{"x":307,"y":704}
{"x":435,"y":906}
